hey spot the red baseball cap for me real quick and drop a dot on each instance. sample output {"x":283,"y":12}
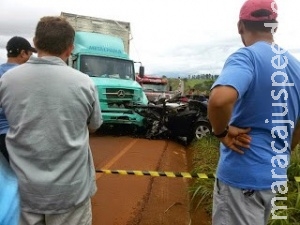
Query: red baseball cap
{"x":259,"y":10}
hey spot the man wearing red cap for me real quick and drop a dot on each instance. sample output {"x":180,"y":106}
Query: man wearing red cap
{"x":254,"y":107}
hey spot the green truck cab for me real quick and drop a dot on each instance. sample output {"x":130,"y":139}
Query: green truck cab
{"x":104,"y":59}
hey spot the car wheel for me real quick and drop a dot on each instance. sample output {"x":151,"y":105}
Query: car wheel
{"x":202,"y":129}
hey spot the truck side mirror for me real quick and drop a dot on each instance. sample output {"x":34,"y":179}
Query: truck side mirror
{"x":142,"y":71}
{"x":170,"y":88}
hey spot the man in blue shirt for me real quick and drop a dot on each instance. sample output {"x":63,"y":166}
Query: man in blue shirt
{"x":253,"y":108}
{"x":18,"y":52}
{"x":51,"y":108}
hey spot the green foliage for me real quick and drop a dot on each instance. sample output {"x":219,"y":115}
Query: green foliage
{"x":293,"y":196}
{"x":205,"y":158}
{"x":201,"y":85}
{"x":204,"y":86}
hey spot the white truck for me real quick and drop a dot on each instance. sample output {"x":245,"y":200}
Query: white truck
{"x":101,"y":50}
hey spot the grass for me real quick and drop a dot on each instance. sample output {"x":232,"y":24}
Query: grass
{"x":204,"y":160}
{"x":205,"y":154}
{"x":293,"y":196}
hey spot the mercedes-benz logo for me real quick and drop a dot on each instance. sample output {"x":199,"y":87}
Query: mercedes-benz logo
{"x":121,"y":93}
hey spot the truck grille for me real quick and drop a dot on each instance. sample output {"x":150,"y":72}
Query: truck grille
{"x":119,"y":93}
{"x":119,"y":98}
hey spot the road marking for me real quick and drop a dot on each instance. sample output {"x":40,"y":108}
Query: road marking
{"x":116,"y":158}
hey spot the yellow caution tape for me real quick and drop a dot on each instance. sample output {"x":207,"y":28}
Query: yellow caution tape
{"x":157,"y":173}
{"x":166,"y":174}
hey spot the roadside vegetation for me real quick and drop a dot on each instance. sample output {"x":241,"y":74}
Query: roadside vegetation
{"x":204,"y":158}
{"x":199,"y":85}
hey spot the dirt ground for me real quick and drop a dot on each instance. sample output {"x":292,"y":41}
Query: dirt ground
{"x":133,"y":200}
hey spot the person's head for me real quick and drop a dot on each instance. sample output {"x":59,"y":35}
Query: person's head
{"x":54,"y":36}
{"x":255,"y":19}
{"x":18,"y":50}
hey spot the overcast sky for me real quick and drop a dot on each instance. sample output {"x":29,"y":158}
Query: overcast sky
{"x":170,"y":37}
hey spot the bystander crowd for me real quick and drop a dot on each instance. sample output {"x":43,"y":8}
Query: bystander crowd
{"x":50,"y":109}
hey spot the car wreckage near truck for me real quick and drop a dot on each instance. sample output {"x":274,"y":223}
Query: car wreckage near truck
{"x":101,"y":50}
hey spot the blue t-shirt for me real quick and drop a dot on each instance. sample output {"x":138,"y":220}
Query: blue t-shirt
{"x":9,"y":195}
{"x":268,"y":86}
{"x":3,"y":122}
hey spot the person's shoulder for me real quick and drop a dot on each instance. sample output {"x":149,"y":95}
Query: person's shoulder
{"x":7,"y":69}
{"x":80,"y":75}
{"x":241,"y":53}
{"x":244,"y":50}
{"x":2,"y":70}
{"x":292,"y":57}
{"x":261,"y":46}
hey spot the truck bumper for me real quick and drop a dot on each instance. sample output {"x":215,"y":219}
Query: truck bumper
{"x":123,"y":118}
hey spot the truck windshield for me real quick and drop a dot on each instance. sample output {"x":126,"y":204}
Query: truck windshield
{"x":96,"y":66}
{"x":155,"y":87}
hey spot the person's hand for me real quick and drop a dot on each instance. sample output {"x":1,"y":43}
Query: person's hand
{"x":237,"y":138}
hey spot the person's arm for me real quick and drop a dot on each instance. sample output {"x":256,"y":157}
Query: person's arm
{"x":220,"y":106}
{"x":92,"y":130}
{"x":296,"y":136}
{"x":95,"y":119}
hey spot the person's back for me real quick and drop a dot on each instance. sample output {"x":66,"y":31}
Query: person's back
{"x":267,"y":89}
{"x":254,"y":107}
{"x":50,"y":108}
